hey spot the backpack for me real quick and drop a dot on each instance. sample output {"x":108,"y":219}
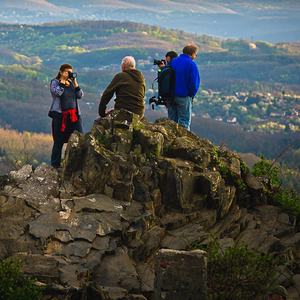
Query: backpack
{"x":165,"y":80}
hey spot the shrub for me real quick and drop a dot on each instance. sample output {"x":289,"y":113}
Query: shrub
{"x":237,"y":272}
{"x":13,"y":285}
{"x":288,"y":200}
{"x":264,"y":167}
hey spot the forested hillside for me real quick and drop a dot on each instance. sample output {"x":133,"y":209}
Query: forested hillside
{"x":96,"y":44}
{"x":238,"y":77}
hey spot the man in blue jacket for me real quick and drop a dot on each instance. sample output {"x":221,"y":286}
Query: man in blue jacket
{"x":187,"y":81}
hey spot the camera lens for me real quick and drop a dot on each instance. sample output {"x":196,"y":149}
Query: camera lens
{"x":72,"y":75}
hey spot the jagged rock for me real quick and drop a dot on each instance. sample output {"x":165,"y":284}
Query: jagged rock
{"x":294,"y":292}
{"x":93,"y":292}
{"x":152,"y":142}
{"x":256,"y":191}
{"x":9,"y":247}
{"x":117,"y":270}
{"x":115,"y":293}
{"x":273,"y":220}
{"x":73,"y":151}
{"x":151,"y":240}
{"x":95,"y":227}
{"x":245,"y":219}
{"x":168,"y":129}
{"x":146,"y":275}
{"x":223,"y":200}
{"x":259,"y":239}
{"x":12,"y":229}
{"x":22,"y":174}
{"x":225,"y":243}
{"x":293,"y":242}
{"x":207,"y":218}
{"x":155,"y":197}
{"x":84,"y":226}
{"x":41,"y":190}
{"x":145,"y":181}
{"x":178,"y":239}
{"x":16,"y":208}
{"x":229,"y":225}
{"x":187,"y":146}
{"x":175,"y":220}
{"x":179,"y":184}
{"x":44,"y":268}
{"x":97,"y":203}
{"x":102,"y":169}
{"x":233,"y":164}
{"x":180,"y":275}
{"x":284,"y":275}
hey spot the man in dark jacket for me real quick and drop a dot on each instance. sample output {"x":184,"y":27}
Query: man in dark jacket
{"x":129,"y":87}
{"x":187,"y":81}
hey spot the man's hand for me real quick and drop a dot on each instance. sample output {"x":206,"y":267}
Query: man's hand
{"x":108,"y":111}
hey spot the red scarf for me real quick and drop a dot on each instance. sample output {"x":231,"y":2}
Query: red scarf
{"x":65,"y":114}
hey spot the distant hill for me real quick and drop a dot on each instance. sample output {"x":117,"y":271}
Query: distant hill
{"x":30,"y":56}
{"x":35,"y":5}
{"x":272,"y":21}
{"x":9,"y":57}
{"x":102,"y":45}
{"x":150,"y":5}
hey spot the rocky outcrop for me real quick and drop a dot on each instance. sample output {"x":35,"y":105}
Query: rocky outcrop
{"x":127,"y":189}
{"x":180,"y":275}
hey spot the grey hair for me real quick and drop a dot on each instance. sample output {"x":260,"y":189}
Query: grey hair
{"x":129,"y":62}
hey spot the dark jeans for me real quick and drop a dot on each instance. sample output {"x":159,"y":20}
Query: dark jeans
{"x":60,"y":136}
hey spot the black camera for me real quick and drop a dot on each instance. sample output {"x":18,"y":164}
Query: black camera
{"x":72,"y":75}
{"x":157,"y":101}
{"x":159,"y":62}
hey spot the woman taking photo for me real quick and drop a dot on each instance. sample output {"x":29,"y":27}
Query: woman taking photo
{"x":64,"y":111}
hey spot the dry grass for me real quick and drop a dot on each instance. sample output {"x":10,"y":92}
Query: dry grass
{"x":20,"y":148}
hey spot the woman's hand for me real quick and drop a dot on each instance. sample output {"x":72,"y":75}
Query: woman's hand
{"x":75,"y":82}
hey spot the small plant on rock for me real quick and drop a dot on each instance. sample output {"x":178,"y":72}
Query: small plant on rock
{"x":135,"y":139}
{"x":216,"y":158}
{"x":13,"y":285}
{"x":243,"y":165}
{"x":157,"y":150}
{"x":231,"y":178}
{"x":103,"y":140}
{"x":171,"y":146}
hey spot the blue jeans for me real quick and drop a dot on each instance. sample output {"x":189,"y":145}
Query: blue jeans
{"x":60,"y":137}
{"x":180,"y":110}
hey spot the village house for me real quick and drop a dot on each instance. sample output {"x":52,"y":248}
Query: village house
{"x":218,"y":118}
{"x":231,"y":120}
{"x":206,"y":115}
{"x":277,"y":114}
